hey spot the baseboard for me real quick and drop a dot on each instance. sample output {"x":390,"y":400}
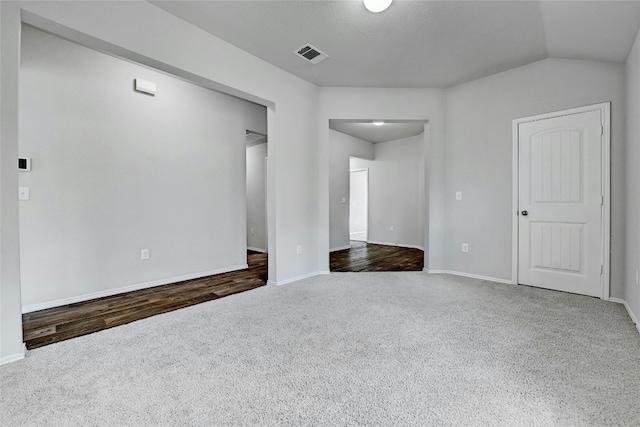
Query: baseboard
{"x":14,"y":357}
{"x":251,"y":248}
{"x":472,"y":276}
{"x":130,"y":288}
{"x":341,"y":248}
{"x":633,"y":317}
{"x":399,"y":245}
{"x":295,"y":279}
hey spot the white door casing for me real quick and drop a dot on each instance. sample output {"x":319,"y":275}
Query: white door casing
{"x":561,"y":227}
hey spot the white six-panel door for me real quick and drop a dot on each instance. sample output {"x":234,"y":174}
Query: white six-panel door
{"x":560,"y":197}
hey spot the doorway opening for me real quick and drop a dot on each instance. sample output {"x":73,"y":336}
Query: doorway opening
{"x":256,"y":171}
{"x":377,"y":195}
{"x":161,"y":209}
{"x":358,"y":204}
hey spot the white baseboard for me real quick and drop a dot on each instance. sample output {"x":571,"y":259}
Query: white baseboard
{"x":399,"y":245}
{"x":130,"y":288}
{"x":14,"y":357}
{"x":634,"y":319}
{"x":472,"y":276}
{"x":251,"y":248}
{"x":341,"y":248}
{"x":295,"y":279}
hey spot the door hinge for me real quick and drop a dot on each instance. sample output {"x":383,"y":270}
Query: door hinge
{"x":601,"y":130}
{"x":601,"y":269}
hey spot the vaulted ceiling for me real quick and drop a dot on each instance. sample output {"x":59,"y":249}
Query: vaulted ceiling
{"x":416,"y":43}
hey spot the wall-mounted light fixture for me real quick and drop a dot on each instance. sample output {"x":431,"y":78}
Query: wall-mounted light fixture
{"x":376,"y":6}
{"x":378,"y":123}
{"x":145,"y":86}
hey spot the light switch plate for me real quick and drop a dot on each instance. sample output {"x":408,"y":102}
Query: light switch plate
{"x":344,"y":200}
{"x":458,"y":195}
{"x":23,"y":193}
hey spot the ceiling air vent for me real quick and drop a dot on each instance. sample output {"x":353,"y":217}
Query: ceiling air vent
{"x":310,"y":53}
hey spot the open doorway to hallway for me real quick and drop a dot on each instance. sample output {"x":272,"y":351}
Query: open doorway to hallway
{"x":377,"y":195}
{"x":137,"y":202}
{"x":257,"y":238}
{"x":358,"y":204}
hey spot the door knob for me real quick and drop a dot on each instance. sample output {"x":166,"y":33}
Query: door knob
{"x":525,"y":213}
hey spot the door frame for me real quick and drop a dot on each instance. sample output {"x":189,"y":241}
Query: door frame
{"x":605,"y":113}
{"x":368,"y":193}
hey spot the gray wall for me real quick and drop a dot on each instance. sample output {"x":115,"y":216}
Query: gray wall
{"x":256,"y":193}
{"x":115,"y":171}
{"x":632,"y":265}
{"x":479,"y":155}
{"x":342,"y":147}
{"x":396,"y":192}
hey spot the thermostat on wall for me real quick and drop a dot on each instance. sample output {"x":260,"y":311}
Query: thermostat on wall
{"x":24,"y":163}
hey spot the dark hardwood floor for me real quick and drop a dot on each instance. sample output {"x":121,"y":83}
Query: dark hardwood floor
{"x":369,"y":257}
{"x":61,"y":323}
{"x":69,"y":321}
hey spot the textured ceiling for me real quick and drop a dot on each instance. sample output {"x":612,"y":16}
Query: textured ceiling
{"x":416,"y":43}
{"x":389,"y":131}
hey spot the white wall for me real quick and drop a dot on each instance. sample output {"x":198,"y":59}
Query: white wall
{"x":632,"y":248}
{"x":479,"y":155}
{"x":138,"y":31}
{"x":342,"y":146}
{"x":396,"y":192}
{"x":390,"y":104}
{"x":256,"y":207}
{"x":115,"y":171}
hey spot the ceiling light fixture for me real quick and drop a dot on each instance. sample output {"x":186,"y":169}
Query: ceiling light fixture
{"x":376,"y":6}
{"x":378,"y":123}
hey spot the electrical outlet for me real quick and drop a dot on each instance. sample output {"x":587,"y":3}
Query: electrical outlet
{"x":391,"y":228}
{"x":299,"y":249}
{"x":458,"y":195}
{"x":344,"y":200}
{"x":253,"y":232}
{"x":144,"y":254}
{"x":465,"y":247}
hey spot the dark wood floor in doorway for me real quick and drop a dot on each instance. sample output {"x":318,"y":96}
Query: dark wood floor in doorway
{"x":364,"y":256}
{"x":69,"y":321}
{"x":61,"y":323}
